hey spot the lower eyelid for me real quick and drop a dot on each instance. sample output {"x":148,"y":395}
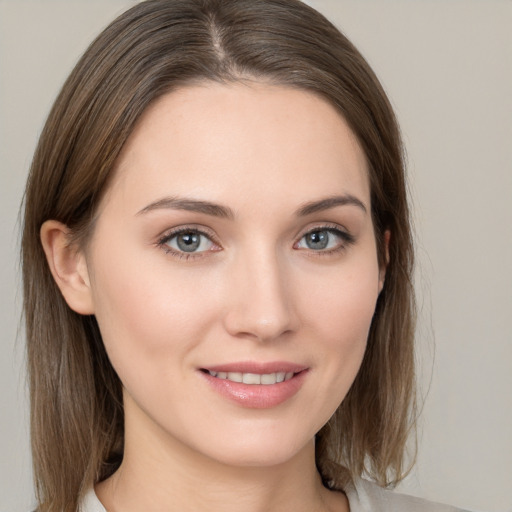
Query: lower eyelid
{"x":345,"y":239}
{"x":163,"y":242}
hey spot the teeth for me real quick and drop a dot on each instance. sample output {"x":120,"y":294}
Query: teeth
{"x":269,"y":378}
{"x":253,"y":378}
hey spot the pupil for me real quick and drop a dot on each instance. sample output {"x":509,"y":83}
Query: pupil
{"x":317,"y":240}
{"x":188,"y":242}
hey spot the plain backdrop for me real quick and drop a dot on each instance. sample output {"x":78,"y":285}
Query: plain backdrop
{"x":447,"y":66}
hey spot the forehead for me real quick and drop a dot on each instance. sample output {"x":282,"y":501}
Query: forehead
{"x":243,"y":140}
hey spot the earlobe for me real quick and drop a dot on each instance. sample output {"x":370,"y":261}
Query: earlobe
{"x":68,"y":267}
{"x":384,"y":266}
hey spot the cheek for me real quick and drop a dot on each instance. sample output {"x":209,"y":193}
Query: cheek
{"x":341,"y":314}
{"x":342,"y":301}
{"x":145,"y":312}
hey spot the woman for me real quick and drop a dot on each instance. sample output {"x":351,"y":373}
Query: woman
{"x":216,"y":226}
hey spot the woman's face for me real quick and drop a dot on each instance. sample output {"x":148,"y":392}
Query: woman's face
{"x":236,"y":243}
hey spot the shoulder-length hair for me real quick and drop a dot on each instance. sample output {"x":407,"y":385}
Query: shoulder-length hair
{"x":152,"y":49}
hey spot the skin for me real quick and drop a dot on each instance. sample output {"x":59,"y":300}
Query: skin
{"x":255,"y":290}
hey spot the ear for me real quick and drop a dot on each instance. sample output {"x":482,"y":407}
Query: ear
{"x":382,"y":272}
{"x":68,"y":266}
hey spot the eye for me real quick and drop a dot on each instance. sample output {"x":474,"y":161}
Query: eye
{"x":187,"y":241}
{"x":324,"y":239}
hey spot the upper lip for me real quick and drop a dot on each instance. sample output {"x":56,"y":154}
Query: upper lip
{"x":257,"y":367}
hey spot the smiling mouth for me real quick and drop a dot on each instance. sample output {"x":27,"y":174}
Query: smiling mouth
{"x":256,"y":385}
{"x":253,"y":378}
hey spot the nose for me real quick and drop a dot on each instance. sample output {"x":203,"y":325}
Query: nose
{"x":261,"y":303}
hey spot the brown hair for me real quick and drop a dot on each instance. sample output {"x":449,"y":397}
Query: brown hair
{"x":153,"y":48}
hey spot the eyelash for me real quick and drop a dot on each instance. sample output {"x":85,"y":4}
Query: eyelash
{"x":182,"y":255}
{"x":346,"y":240}
{"x":346,"y":237}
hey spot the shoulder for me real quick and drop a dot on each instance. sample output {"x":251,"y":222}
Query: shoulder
{"x":365,"y":496}
{"x":90,"y":503}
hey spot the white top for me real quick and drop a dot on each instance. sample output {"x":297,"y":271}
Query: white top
{"x":363,"y":497}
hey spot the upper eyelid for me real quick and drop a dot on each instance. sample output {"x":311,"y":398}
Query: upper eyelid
{"x":344,"y":234}
{"x":171,"y":232}
{"x":332,"y":226}
{"x":209,"y":233}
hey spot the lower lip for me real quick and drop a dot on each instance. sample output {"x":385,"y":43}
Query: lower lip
{"x":257,"y":396}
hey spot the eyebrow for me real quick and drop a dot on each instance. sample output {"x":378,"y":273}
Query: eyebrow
{"x":224,"y":212}
{"x":330,"y":202}
{"x":192,"y":205}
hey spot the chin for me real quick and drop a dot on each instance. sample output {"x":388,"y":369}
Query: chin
{"x":259,"y":450}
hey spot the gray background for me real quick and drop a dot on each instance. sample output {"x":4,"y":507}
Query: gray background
{"x":447,"y":66}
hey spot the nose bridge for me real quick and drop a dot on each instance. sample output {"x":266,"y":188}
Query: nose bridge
{"x":261,"y":305}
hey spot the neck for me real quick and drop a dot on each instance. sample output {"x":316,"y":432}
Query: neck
{"x":160,"y":473}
